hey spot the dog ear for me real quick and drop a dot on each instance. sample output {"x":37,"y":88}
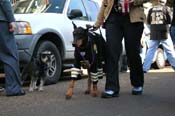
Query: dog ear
{"x":74,"y":25}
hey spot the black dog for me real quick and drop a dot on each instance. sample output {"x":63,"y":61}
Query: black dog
{"x":37,"y":70}
{"x":89,"y":53}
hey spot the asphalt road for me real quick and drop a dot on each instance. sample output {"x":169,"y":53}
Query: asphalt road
{"x":158,"y":99}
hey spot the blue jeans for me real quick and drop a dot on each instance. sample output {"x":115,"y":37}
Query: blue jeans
{"x":173,"y":33}
{"x":153,"y":45}
{"x":10,"y":59}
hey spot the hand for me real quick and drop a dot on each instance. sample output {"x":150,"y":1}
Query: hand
{"x":94,"y":28}
{"x":143,"y":42}
{"x":12,"y":27}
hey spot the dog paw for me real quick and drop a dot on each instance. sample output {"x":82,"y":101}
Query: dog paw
{"x":35,"y":88}
{"x":31,"y":89}
{"x":87,"y":92}
{"x":41,"y":89}
{"x":68,"y":97}
{"x":94,"y":94}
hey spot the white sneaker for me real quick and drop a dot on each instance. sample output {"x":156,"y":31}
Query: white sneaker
{"x":1,"y":89}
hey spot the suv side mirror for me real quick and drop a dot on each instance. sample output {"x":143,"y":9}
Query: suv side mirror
{"x":75,"y":13}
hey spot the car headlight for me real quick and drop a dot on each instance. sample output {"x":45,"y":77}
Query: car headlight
{"x":22,"y":28}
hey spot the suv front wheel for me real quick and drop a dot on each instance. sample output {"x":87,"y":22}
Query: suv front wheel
{"x":55,"y":64}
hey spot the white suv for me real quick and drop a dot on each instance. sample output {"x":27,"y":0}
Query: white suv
{"x":46,"y":25}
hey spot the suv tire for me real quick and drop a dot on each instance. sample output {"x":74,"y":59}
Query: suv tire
{"x":54,"y":70}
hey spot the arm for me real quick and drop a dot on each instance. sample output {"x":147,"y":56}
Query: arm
{"x":149,"y":17}
{"x":173,"y":16}
{"x":145,"y":35}
{"x":100,"y":17}
{"x":169,"y":15}
{"x":7,"y":9}
{"x":173,"y":7}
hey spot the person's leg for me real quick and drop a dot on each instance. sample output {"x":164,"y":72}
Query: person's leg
{"x":132,"y":35}
{"x":9,"y":56}
{"x":153,"y":45}
{"x":13,"y":86}
{"x":169,"y":50}
{"x":114,"y":36}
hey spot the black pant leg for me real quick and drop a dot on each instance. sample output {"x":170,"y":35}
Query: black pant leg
{"x":132,"y":35}
{"x":114,"y":37}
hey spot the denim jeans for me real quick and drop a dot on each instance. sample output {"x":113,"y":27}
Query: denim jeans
{"x":153,"y":45}
{"x":172,"y":31}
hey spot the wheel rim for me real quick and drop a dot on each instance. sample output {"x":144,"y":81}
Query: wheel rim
{"x":51,"y":66}
{"x":160,"y":59}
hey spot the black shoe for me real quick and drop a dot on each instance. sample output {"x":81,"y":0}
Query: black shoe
{"x":16,"y":94}
{"x":144,"y":71}
{"x":107,"y":95}
{"x":137,"y":91}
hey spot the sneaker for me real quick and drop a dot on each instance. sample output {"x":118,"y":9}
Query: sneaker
{"x":144,"y":71}
{"x":1,"y":89}
{"x":109,"y":94}
{"x":137,"y":91}
{"x":17,"y":94}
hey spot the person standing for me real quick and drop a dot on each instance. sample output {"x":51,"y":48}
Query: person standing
{"x":159,"y":18}
{"x":8,"y":50}
{"x":122,"y":19}
{"x":172,"y":29}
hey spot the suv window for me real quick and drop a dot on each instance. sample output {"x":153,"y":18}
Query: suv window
{"x":91,"y":6}
{"x":79,"y":5}
{"x":21,"y":7}
{"x":39,"y":6}
{"x":56,"y":6}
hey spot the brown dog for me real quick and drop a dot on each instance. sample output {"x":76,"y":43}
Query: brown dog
{"x":88,"y":55}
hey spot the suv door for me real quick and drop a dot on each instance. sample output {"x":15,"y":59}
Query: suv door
{"x":86,"y":17}
{"x":91,"y":6}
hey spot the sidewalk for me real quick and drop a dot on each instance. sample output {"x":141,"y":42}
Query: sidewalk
{"x":158,"y":99}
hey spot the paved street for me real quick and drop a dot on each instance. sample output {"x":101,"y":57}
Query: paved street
{"x":158,"y":99}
